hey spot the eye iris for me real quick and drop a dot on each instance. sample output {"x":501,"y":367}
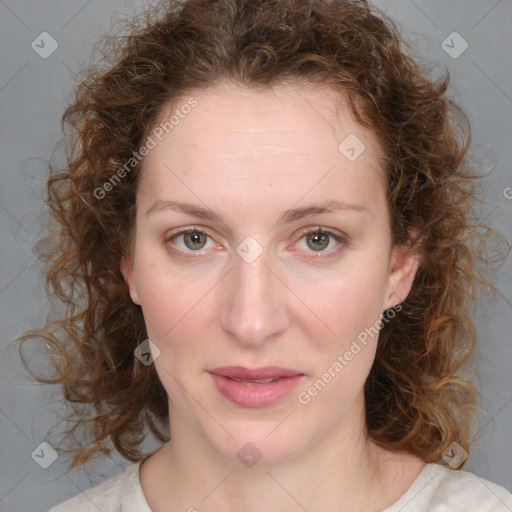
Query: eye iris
{"x":194,"y":240}
{"x":317,"y":241}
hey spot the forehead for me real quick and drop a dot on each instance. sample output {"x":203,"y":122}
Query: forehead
{"x":290,"y":135}
{"x":306,"y":110}
{"x":313,"y":103}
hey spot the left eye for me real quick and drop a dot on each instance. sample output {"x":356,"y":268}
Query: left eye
{"x":320,"y":240}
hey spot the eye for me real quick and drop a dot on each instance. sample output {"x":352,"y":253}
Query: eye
{"x":320,"y":240}
{"x":190,"y":240}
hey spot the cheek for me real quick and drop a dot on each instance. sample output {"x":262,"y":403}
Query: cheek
{"x":351,"y":307}
{"x":345,"y":305}
{"x":177,"y":307}
{"x":359,"y":303}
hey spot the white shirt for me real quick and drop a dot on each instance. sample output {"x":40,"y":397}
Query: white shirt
{"x":436,"y":489}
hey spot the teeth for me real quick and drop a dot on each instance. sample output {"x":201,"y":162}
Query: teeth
{"x":253,"y":382}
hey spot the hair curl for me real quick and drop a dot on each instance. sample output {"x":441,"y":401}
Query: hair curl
{"x":417,"y":396}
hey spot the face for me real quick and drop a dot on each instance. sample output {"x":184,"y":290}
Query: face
{"x":262,"y":251}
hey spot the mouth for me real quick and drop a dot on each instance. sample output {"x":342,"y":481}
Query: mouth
{"x":255,"y":382}
{"x":255,"y":388}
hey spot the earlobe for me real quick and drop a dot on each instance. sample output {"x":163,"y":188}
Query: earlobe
{"x":126,"y":268}
{"x":404,"y":266}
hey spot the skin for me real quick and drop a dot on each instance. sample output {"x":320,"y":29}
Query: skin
{"x":249,"y":156}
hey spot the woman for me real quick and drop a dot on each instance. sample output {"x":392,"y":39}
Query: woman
{"x":263,"y":241}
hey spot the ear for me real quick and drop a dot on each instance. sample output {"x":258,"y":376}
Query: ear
{"x":127,"y":271}
{"x":404,"y":264}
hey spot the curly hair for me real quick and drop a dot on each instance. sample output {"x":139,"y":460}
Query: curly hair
{"x":419,"y":397}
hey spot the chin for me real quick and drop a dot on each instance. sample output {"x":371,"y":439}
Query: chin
{"x":259,"y":443}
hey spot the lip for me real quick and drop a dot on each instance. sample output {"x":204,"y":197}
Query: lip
{"x":267,"y":372}
{"x":255,"y":395}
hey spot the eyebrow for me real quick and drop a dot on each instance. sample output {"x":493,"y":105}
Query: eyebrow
{"x":287,"y":216}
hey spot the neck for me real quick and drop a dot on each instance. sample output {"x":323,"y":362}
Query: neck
{"x":344,"y":472}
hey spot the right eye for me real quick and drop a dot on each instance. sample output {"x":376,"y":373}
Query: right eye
{"x":189,"y":240}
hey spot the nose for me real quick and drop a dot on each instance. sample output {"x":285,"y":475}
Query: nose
{"x":253,"y":304}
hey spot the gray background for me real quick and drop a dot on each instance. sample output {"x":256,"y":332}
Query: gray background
{"x":33,"y":93}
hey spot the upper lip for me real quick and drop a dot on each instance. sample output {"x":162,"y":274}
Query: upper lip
{"x":267,"y":372}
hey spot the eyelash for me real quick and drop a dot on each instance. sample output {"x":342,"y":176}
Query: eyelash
{"x":315,"y":255}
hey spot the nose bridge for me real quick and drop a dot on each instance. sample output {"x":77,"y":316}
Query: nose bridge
{"x":253,"y":308}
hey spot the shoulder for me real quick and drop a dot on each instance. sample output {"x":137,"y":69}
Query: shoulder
{"x":439,"y":489}
{"x":119,"y":493}
{"x":471,"y":492}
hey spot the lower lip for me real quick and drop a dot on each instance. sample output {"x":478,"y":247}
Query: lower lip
{"x":256,"y":395}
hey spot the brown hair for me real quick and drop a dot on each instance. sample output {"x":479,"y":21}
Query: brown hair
{"x":417,"y":397}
